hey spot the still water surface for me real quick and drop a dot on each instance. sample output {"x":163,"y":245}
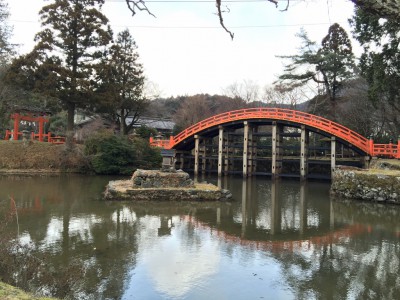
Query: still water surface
{"x":280,"y":240}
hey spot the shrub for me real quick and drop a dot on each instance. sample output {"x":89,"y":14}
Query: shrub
{"x":111,"y":154}
{"x":145,"y":132}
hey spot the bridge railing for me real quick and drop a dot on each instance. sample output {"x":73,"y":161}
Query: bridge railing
{"x":165,"y":144}
{"x":277,"y":114}
{"x":320,"y":123}
{"x":386,"y":150}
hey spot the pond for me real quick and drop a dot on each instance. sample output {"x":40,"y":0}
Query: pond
{"x":275,"y":240}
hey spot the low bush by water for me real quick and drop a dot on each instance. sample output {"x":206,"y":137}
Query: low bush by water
{"x":111,"y":154}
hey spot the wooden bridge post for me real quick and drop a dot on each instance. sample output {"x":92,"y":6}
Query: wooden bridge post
{"x":254,"y":151}
{"x":220,"y":149}
{"x":277,"y":131}
{"x":245,"y":147}
{"x":304,"y":141}
{"x":371,"y":146}
{"x":203,"y":155}
{"x":179,"y":162}
{"x":196,"y":155}
{"x":333,"y":153}
{"x":227,"y":144}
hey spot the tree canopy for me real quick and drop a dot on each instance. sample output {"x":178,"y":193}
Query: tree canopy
{"x":380,"y":62}
{"x":121,"y":80}
{"x":329,"y":64}
{"x":67,"y":49}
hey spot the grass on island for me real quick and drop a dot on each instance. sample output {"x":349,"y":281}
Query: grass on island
{"x":123,"y":185}
{"x":8,"y":292}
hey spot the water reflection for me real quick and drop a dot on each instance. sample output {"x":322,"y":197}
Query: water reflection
{"x":277,"y":239}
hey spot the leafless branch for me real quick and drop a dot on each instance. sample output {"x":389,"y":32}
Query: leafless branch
{"x":276,"y":2}
{"x":138,"y":4}
{"x":221,"y":20}
{"x":287,"y":5}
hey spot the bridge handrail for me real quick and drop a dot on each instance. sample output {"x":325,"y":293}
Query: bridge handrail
{"x":387,"y":150}
{"x":304,"y":118}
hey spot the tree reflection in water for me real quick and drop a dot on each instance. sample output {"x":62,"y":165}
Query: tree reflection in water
{"x":286,"y":233}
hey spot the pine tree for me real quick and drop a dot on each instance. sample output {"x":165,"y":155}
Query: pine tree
{"x":121,"y":82}
{"x":380,"y":63}
{"x":6,"y":48}
{"x":63,"y":61}
{"x":330,"y":65}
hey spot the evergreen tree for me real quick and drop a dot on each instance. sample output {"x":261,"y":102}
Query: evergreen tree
{"x":380,"y":62}
{"x":6,"y":52}
{"x":330,"y":65}
{"x":6,"y":48}
{"x":121,"y":82}
{"x":67,"y":50}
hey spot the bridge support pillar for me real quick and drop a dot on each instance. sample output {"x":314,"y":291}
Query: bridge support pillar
{"x":220,"y":149}
{"x":196,"y":154}
{"x":227,"y":144}
{"x":178,"y":162}
{"x":333,"y":153}
{"x":252,"y":151}
{"x":203,"y":152}
{"x":277,"y":131}
{"x":304,"y":141}
{"x":245,"y":148}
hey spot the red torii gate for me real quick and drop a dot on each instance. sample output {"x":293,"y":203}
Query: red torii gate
{"x":29,"y":118}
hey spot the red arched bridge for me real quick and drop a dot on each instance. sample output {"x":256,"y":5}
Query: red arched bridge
{"x":249,"y":120}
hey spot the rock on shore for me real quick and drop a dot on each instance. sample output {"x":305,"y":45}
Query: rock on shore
{"x":372,"y":185}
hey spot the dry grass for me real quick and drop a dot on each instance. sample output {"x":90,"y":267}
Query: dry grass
{"x":18,"y":155}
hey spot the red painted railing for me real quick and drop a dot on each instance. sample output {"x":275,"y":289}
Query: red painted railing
{"x":281,"y":114}
{"x":386,"y":150}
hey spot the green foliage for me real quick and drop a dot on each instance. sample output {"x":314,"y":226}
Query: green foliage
{"x":58,"y":124}
{"x":145,"y":132}
{"x":121,"y":82}
{"x":330,"y":64}
{"x":6,"y":48}
{"x":147,"y":157}
{"x":66,"y":51}
{"x":111,"y":154}
{"x":380,"y":63}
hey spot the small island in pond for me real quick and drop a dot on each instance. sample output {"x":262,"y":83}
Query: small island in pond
{"x":166,"y":185}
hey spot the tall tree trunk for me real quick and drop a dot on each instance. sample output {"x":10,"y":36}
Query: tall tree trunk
{"x":70,"y":124}
{"x":124,"y":129}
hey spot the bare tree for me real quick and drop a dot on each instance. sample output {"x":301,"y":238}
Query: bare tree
{"x":384,"y":8}
{"x":192,"y":110}
{"x":280,"y":95}
{"x":246,"y":90}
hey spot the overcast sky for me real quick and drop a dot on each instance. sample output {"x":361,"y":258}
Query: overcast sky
{"x":185,"y":51}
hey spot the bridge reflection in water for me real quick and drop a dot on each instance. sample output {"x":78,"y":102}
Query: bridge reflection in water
{"x":286,"y":221}
{"x":292,"y":235}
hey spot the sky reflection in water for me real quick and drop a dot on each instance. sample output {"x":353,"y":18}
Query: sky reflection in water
{"x":280,"y":241}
